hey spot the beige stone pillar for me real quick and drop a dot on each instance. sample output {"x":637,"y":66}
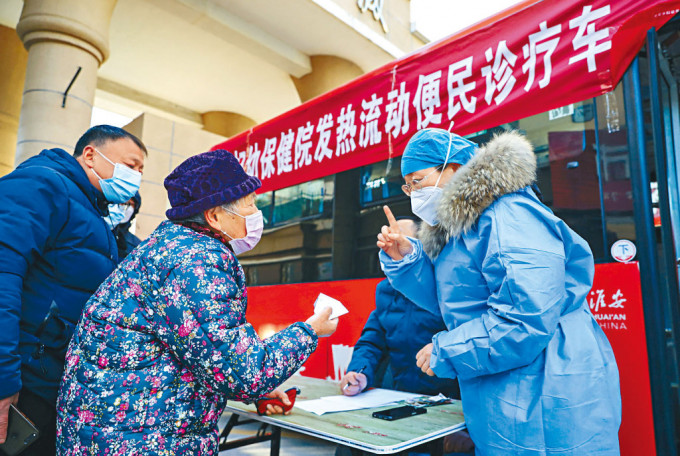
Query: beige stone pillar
{"x":12,"y":71}
{"x":60,"y":36}
{"x":169,"y":143}
{"x":226,"y":123}
{"x":328,"y":72}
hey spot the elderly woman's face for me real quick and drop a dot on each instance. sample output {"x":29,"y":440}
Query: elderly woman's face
{"x":246,"y":205}
{"x":230,"y":223}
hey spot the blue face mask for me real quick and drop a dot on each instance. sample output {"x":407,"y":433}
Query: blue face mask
{"x":119,"y":213}
{"x":122,"y":186}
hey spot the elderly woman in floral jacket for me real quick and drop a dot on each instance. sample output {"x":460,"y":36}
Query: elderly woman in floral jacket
{"x":164,"y":341}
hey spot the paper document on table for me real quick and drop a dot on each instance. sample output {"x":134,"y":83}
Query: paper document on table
{"x":326,"y":301}
{"x":368,"y":399}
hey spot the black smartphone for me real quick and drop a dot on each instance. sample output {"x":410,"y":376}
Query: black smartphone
{"x":398,"y":413}
{"x":21,"y":432}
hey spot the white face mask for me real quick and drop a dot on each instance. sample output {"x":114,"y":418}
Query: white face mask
{"x":254,"y":228}
{"x":424,"y":204}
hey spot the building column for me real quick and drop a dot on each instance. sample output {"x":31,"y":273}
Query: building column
{"x":346,"y":211}
{"x":60,"y":36}
{"x":12,"y":72}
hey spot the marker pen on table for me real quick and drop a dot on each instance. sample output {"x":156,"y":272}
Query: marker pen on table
{"x":348,"y":383}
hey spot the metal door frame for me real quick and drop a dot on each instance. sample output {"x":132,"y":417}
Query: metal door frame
{"x":658,"y":295}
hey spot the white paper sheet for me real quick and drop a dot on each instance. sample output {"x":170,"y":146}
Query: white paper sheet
{"x":368,"y":399}
{"x":323,"y":301}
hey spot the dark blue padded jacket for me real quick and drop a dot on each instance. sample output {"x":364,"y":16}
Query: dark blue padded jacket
{"x":398,"y":329}
{"x":55,"y":250}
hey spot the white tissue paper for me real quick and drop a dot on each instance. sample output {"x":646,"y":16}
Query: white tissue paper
{"x":323,"y":301}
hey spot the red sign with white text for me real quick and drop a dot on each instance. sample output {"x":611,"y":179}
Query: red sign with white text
{"x":615,"y":300}
{"x":551,"y":52}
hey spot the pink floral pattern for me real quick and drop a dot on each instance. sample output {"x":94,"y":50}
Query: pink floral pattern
{"x":161,"y":346}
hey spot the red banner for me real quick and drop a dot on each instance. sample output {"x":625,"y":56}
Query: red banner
{"x":615,"y":300}
{"x":541,"y":56}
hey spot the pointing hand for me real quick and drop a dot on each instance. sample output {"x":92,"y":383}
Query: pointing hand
{"x":391,"y":240}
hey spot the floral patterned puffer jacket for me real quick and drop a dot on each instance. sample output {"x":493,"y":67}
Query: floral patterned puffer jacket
{"x":162,"y":345}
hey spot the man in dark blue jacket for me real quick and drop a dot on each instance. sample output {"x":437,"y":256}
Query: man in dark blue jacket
{"x":387,"y":348}
{"x":393,"y":332}
{"x":391,"y":337}
{"x":55,"y":250}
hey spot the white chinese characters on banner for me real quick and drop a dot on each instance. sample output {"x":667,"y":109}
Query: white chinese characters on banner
{"x":303,"y":142}
{"x":539,"y":43}
{"x":499,"y":69}
{"x":586,"y":36}
{"x":346,"y":131}
{"x":324,"y":128}
{"x":458,"y":72}
{"x":426,"y":99}
{"x":397,"y":111}
{"x":284,"y":154}
{"x":252,"y":160}
{"x":498,"y":74}
{"x":268,"y":157}
{"x":241,"y":157}
{"x":369,"y":133}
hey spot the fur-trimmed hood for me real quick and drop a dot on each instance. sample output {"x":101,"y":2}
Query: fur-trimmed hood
{"x":505,"y":165}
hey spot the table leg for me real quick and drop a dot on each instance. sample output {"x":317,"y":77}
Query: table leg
{"x":233,"y":421}
{"x":274,"y":437}
{"x":275,"y":441}
{"x":436,"y":447}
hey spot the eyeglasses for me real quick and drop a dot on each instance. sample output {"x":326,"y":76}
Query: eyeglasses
{"x":417,"y":184}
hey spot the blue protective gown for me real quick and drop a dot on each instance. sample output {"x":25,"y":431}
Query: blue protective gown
{"x":537,"y":374}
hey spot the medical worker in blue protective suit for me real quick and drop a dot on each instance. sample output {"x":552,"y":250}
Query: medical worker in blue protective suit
{"x":537,"y":374}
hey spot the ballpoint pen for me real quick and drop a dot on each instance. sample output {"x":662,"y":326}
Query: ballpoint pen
{"x":361,"y":370}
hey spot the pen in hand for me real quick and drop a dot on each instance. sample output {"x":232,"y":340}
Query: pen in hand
{"x":348,"y":384}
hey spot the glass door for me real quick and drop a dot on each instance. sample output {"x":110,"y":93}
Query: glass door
{"x":665,"y":134}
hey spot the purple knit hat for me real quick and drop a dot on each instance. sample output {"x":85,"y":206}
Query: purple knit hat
{"x":207,"y":180}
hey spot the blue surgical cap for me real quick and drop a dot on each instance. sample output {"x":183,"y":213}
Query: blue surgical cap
{"x":428,"y":147}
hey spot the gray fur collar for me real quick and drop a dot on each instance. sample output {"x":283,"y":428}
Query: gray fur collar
{"x":505,"y":165}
